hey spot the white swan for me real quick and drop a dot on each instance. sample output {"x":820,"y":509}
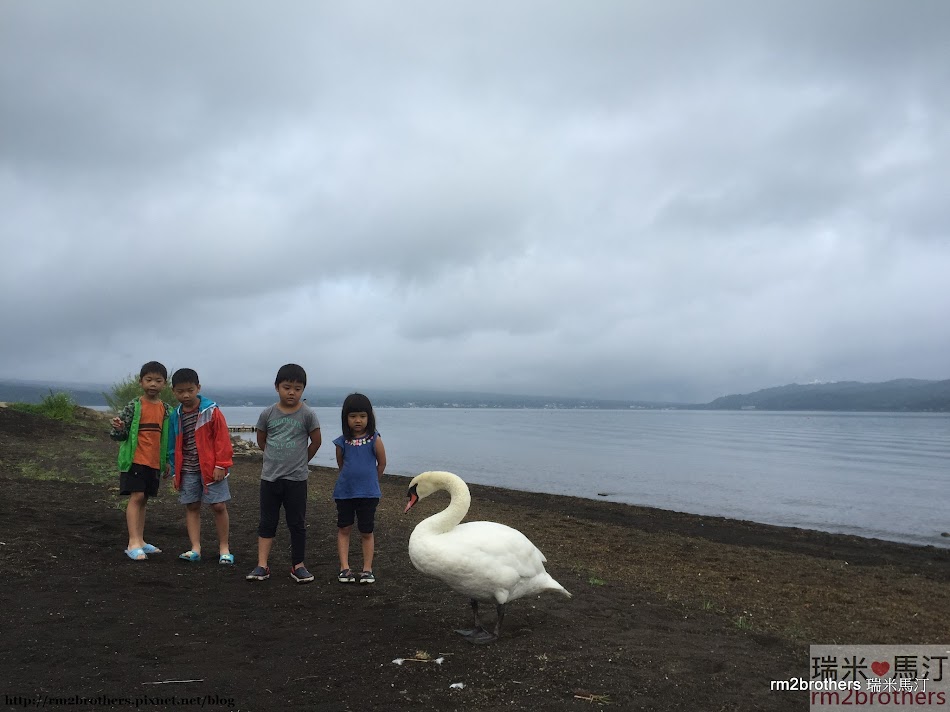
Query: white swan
{"x":485,"y":561}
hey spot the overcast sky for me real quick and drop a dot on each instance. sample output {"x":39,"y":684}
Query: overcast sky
{"x":657,"y":200}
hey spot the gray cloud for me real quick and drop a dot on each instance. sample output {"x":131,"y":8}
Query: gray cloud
{"x":648,"y":200}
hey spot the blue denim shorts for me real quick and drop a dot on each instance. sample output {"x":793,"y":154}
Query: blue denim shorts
{"x":192,"y":490}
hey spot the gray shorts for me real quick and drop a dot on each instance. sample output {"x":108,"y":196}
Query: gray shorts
{"x":192,"y":490}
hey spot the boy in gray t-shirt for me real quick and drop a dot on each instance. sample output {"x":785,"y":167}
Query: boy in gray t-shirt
{"x":289,"y":434}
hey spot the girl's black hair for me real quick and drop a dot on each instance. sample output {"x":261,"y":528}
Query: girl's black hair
{"x":358,"y":403}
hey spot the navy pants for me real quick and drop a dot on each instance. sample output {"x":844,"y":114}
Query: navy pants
{"x":292,"y":495}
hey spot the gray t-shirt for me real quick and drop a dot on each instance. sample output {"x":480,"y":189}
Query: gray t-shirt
{"x":285,"y":452}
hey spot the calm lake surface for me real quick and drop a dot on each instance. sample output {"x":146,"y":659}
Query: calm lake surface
{"x":884,"y":475}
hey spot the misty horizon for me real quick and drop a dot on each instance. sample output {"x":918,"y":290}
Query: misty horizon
{"x":391,"y":392}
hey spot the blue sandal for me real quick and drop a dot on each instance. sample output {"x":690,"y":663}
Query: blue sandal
{"x":226,"y":559}
{"x":190,"y":555}
{"x":136,"y":554}
{"x":149,"y":549}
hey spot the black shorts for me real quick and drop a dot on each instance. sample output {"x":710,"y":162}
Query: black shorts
{"x":140,"y":478}
{"x":363,"y":509}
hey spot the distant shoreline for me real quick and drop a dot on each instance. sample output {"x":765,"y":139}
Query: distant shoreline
{"x":895,"y":396}
{"x":599,"y":410}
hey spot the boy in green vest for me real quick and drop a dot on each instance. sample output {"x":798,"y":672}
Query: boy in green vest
{"x":142,"y":426}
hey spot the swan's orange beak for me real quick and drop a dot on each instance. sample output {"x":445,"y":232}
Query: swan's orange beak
{"x":413,"y":498}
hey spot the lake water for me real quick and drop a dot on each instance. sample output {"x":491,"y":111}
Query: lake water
{"x":884,"y":475}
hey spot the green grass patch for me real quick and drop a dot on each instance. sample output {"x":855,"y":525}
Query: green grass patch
{"x":33,"y":470}
{"x":743,"y":623}
{"x":58,"y":406}
{"x":98,"y":468}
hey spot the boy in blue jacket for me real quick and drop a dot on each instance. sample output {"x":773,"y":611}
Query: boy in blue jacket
{"x":200,"y":455}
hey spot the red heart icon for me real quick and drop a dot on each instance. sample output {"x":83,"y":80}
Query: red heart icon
{"x":881,"y":668}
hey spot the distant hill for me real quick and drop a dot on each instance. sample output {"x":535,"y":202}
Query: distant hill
{"x":91,"y":394}
{"x":911,"y":395}
{"x":23,"y":392}
{"x":906,"y":394}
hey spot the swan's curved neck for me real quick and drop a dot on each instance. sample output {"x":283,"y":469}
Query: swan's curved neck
{"x":449,"y":517}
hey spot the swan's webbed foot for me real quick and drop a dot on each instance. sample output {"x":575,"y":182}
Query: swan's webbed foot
{"x":479,"y":635}
{"x":482,"y":637}
{"x":477,"y":626}
{"x":469,"y":632}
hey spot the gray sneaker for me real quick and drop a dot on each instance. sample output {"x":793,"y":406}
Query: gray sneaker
{"x":260,"y":573}
{"x":301,"y":575}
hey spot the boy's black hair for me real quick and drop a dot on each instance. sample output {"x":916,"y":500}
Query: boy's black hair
{"x":358,"y":403}
{"x":185,"y":376}
{"x":291,"y":372}
{"x":153,"y":367}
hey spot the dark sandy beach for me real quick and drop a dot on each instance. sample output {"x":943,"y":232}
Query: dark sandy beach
{"x":670,"y":611}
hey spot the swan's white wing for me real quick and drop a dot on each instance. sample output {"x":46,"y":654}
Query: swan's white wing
{"x":497,"y":540}
{"x":482,"y":560}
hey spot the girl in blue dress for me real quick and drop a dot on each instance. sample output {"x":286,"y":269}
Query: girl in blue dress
{"x":361,"y":457}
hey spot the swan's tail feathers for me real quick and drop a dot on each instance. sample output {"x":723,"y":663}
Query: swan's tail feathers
{"x":555,"y":586}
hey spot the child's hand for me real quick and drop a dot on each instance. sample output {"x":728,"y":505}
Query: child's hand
{"x":117,"y":423}
{"x":219,"y":474}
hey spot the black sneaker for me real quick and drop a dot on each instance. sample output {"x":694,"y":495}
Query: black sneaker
{"x":346,"y":576}
{"x":301,"y":575}
{"x":367,"y":577}
{"x":260,"y":573}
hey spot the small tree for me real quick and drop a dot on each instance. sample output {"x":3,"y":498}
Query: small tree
{"x":129,"y":389}
{"x":59,"y":406}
